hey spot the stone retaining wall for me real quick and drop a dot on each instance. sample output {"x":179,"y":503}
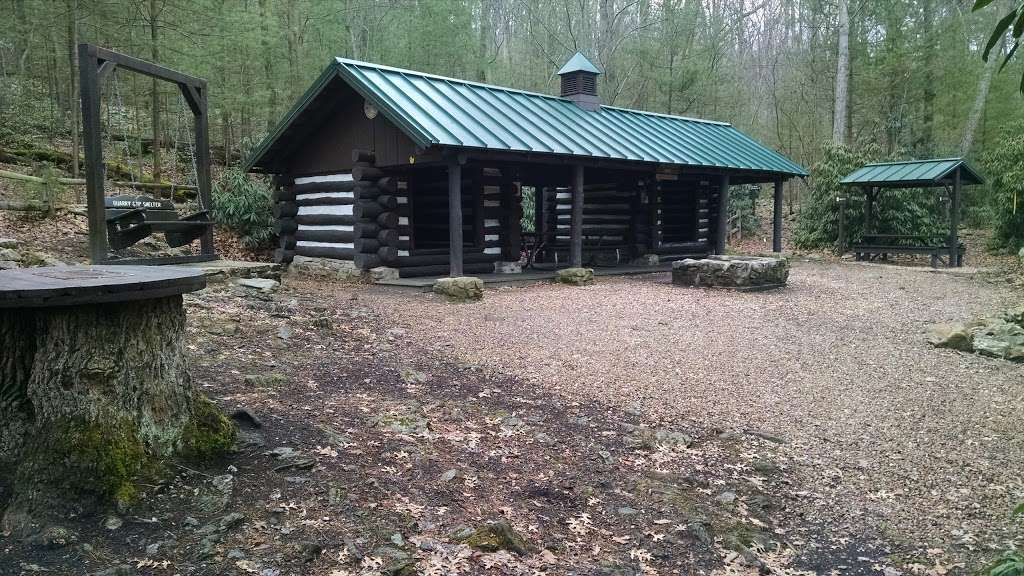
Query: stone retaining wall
{"x":739,"y":272}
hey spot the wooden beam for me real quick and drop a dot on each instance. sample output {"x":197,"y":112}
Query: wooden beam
{"x":454,"y":218}
{"x":954,"y":222}
{"x":722,"y":229}
{"x":88,"y":72}
{"x":202,"y":157}
{"x":777,"y":216}
{"x":576,"y":223}
{"x":141,"y":66}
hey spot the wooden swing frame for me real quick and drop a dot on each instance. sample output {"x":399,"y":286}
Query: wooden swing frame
{"x":94,"y":65}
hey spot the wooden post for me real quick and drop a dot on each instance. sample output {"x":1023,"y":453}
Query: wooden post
{"x":841,"y":241}
{"x":869,"y":209}
{"x":202,"y":155}
{"x":722,"y":230}
{"x":512,"y":199}
{"x":576,"y":224}
{"x":88,"y":64}
{"x":954,"y":221}
{"x":455,"y":218}
{"x":777,"y":217}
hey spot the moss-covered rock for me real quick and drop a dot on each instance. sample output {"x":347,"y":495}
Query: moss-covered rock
{"x":954,"y":336}
{"x":209,"y":434}
{"x":461,"y":289}
{"x":575,"y":276}
{"x":498,"y":536}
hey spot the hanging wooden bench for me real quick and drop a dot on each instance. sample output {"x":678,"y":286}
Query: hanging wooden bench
{"x":880,"y":246}
{"x":132,"y":218}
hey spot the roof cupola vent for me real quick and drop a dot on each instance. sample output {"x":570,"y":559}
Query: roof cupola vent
{"x":579,"y":82}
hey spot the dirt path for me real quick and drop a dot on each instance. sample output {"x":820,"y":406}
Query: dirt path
{"x":891,"y":433}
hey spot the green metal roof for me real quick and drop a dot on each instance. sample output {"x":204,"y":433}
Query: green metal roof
{"x":438,"y":111}
{"x":579,"y":63}
{"x":912,"y":174}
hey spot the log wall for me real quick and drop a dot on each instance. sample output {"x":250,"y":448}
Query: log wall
{"x":682,"y":211}
{"x":347,"y":216}
{"x":612,"y":231}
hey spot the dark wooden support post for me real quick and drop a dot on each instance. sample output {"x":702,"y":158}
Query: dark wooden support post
{"x":722,"y":228}
{"x":777,"y":217}
{"x":841,"y":241}
{"x":91,"y":130}
{"x":512,"y":200}
{"x":954,"y":222}
{"x":455,"y":218}
{"x":202,"y":151}
{"x":576,"y":224}
{"x":869,"y":209}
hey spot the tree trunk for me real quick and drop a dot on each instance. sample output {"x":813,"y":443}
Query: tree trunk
{"x":154,"y":38}
{"x":72,"y":6}
{"x":981,"y":97}
{"x":268,"y":65}
{"x":842,"y":76}
{"x":92,"y":397}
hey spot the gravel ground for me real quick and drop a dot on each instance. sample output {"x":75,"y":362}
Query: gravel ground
{"x":919,"y":444}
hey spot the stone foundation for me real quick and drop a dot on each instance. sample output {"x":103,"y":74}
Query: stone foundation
{"x":508,"y":267}
{"x":738,"y":272}
{"x":325,"y":268}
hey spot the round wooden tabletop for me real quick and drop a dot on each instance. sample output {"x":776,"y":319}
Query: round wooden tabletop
{"x":76,"y":285}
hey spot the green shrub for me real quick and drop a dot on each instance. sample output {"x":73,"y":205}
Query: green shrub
{"x":1009,"y":564}
{"x":529,"y":203}
{"x":1004,"y":166}
{"x":243,"y":205}
{"x":742,"y":200}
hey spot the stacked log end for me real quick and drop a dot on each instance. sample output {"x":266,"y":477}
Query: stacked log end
{"x":376,"y":212}
{"x":285,"y":210}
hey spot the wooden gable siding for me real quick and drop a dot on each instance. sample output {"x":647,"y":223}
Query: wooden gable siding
{"x":327,"y":147}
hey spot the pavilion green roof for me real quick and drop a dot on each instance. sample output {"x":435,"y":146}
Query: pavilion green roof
{"x":913,"y":174}
{"x":448,"y":112}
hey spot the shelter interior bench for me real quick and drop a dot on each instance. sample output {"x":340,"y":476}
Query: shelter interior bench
{"x":132,"y":218}
{"x":880,"y":246}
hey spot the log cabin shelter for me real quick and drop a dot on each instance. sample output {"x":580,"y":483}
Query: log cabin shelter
{"x":432,"y":175}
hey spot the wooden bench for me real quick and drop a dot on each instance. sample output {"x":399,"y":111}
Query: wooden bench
{"x":875,"y":246}
{"x":130,"y":218}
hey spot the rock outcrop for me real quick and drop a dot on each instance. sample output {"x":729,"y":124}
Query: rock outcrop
{"x":999,"y":337}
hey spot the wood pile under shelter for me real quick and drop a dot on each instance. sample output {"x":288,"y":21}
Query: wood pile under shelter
{"x":426,"y":175}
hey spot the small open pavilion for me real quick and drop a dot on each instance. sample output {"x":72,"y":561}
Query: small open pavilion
{"x":426,"y":175}
{"x":950,"y":174}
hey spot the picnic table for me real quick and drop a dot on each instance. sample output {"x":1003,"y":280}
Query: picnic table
{"x":880,"y":246}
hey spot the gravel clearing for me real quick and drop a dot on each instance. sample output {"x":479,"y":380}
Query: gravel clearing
{"x":921,"y":445}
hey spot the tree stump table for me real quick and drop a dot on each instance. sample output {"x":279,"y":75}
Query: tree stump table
{"x":94,"y":387}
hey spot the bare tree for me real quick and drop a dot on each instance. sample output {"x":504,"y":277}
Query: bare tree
{"x":842,"y":95}
{"x":980,"y":98}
